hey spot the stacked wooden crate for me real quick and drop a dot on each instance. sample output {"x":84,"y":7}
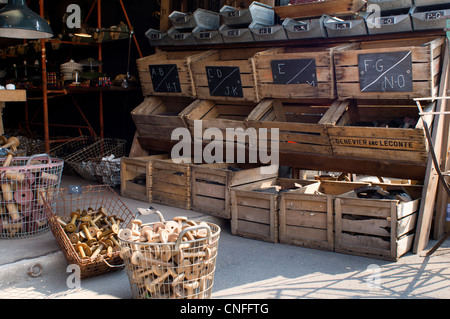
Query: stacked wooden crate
{"x":135,"y":175}
{"x":307,"y":219}
{"x":334,"y":100}
{"x":255,"y":207}
{"x":212,"y":184}
{"x":377,"y":228}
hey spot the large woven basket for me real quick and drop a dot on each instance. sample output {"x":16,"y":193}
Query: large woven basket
{"x":66,"y":201}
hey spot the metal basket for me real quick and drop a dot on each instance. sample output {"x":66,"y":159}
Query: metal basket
{"x":68,"y":200}
{"x":109,"y":171}
{"x":181,"y":269}
{"x":23,"y":184}
{"x":68,"y":148}
{"x":86,"y":161}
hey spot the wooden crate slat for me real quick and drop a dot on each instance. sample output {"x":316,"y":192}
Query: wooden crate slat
{"x":171,"y":183}
{"x":306,"y":219}
{"x":253,"y":214}
{"x":253,"y":230}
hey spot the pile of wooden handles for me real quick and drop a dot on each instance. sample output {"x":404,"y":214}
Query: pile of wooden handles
{"x":171,"y":259}
{"x":92,"y":232}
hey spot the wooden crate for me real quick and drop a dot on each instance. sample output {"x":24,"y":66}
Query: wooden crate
{"x":170,"y":183}
{"x":307,"y":217}
{"x":302,"y":126}
{"x":297,"y":72}
{"x":390,"y":69}
{"x":172,"y":73}
{"x":254,"y":208}
{"x":134,"y":176}
{"x":355,"y":136}
{"x":218,"y":114}
{"x":376,"y":228}
{"x":227,"y":75}
{"x":210,"y":184}
{"x":157,"y":117}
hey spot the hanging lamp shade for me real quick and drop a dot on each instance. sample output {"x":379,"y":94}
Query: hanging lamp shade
{"x":18,"y":21}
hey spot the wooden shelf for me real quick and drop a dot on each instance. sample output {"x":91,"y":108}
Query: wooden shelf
{"x":13,"y":95}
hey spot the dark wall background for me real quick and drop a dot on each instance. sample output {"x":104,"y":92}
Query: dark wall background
{"x":117,"y":105}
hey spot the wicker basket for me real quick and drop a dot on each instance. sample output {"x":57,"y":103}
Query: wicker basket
{"x":66,"y":201}
{"x":22,"y":184}
{"x":181,"y":269}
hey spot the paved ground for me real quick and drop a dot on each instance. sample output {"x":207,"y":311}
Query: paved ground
{"x":245,"y":269}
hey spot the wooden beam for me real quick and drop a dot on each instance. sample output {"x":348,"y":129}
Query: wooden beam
{"x":166,"y":9}
{"x":317,"y":9}
{"x":442,"y":199}
{"x":431,"y":179}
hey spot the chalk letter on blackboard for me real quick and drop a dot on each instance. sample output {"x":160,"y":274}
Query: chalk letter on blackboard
{"x":366,"y":63}
{"x":280,"y":71}
{"x":379,"y":68}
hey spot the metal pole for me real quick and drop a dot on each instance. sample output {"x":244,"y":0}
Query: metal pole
{"x":100,"y":102}
{"x":44,"y":84}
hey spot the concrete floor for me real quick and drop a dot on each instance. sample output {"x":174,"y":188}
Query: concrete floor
{"x":245,"y":269}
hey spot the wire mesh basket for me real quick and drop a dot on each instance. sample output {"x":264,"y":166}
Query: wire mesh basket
{"x":109,"y":171}
{"x":68,"y":148}
{"x":180,"y":266}
{"x":88,"y":201}
{"x":86,"y":161}
{"x":24,"y":184}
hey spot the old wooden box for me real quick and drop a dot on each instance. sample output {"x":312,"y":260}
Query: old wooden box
{"x":135,"y":181}
{"x":170,"y":183}
{"x":302,"y":126}
{"x":390,"y":69}
{"x":156,"y":117}
{"x":222,"y":115}
{"x":380,"y":129}
{"x":377,"y":228}
{"x":297,"y":72}
{"x":168,"y":73}
{"x":307,"y":217}
{"x":210,"y":184}
{"x":228,"y":74}
{"x":254,"y":208}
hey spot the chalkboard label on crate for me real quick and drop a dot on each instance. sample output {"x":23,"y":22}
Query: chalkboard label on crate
{"x":294,"y":71}
{"x":165,"y":78}
{"x":385,"y":72}
{"x":224,"y":81}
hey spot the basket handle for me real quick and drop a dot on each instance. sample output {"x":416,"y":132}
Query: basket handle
{"x":112,"y":266}
{"x":149,"y":211}
{"x":192,"y":228}
{"x":32,"y":157}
